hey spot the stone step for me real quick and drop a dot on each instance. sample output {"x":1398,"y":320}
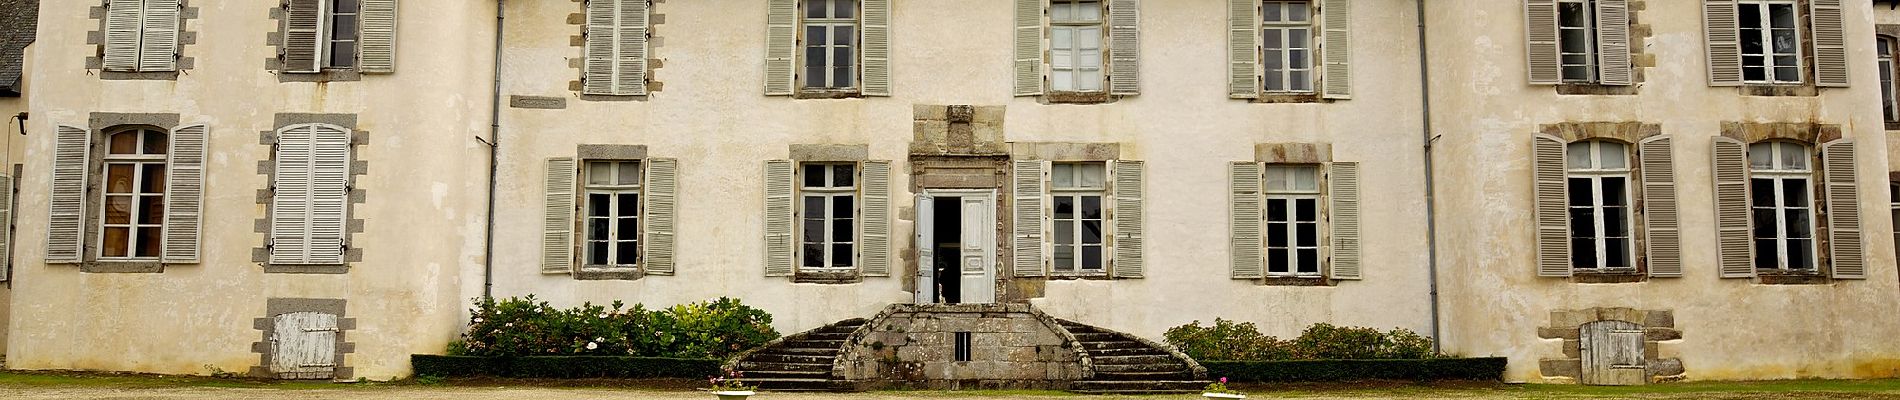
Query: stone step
{"x":792,"y":358}
{"x":794,"y":384}
{"x":802,"y":351}
{"x":1141,"y":359}
{"x":750,"y":366}
{"x":828,"y":336}
{"x":1121,"y":345}
{"x":1124,"y":387}
{"x":757,"y":374}
{"x":1180,"y":373}
{"x":1151,"y":367}
{"x":1098,"y":337}
{"x":834,"y":345}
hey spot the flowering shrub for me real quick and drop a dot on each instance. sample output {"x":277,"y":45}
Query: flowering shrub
{"x":1219,"y":387}
{"x":729,"y":382}
{"x":528,"y":327}
{"x":1242,"y":341}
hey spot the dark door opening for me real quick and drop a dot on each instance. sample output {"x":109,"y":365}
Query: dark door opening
{"x":948,"y":238}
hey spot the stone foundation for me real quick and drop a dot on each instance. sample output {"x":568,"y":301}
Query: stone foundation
{"x":1011,"y":346}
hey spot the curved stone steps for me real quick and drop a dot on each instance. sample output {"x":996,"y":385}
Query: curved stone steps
{"x":1123,"y":364}
{"x":799,"y":362}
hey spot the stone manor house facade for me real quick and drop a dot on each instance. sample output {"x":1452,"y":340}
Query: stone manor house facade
{"x":1703,"y":185}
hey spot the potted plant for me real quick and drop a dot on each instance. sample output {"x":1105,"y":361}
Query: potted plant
{"x":1219,"y":390}
{"x":729,"y":387}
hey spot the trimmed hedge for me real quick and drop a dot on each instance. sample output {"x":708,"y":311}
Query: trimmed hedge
{"x":1436,"y":369}
{"x":563,"y":367}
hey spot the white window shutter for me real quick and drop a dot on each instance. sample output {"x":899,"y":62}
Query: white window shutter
{"x":1830,"y":43}
{"x":600,"y":61}
{"x":303,"y":36}
{"x":329,"y":194}
{"x":1028,"y":46}
{"x":875,"y":219}
{"x":557,"y":223}
{"x":377,"y":53}
{"x":1613,"y":43}
{"x":1734,"y":242}
{"x":630,"y":53}
{"x":158,"y":49}
{"x":1243,"y":49}
{"x":1243,"y":220}
{"x":1029,"y":209}
{"x":184,"y":193}
{"x":1124,"y":41}
{"x":1540,"y":33}
{"x":1342,"y":184}
{"x":6,"y":228}
{"x":781,"y":43}
{"x":661,"y":219}
{"x":1660,"y":215}
{"x":780,"y":201}
{"x":1723,"y":40}
{"x":1848,"y":250}
{"x":66,"y":204}
{"x":124,"y":31}
{"x":1336,"y":15}
{"x":876,"y":47}
{"x":1551,"y":205}
{"x":309,"y":207}
{"x":1130,"y":258}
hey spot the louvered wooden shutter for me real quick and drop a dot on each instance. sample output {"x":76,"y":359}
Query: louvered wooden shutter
{"x":630,"y":49}
{"x":1550,"y":197}
{"x":303,"y":36}
{"x":1830,"y":43}
{"x":158,"y":49}
{"x":1028,"y":46}
{"x":780,"y":251}
{"x":600,"y":62}
{"x":1124,"y":41}
{"x":377,"y":53}
{"x":1660,"y":217}
{"x":1540,"y":33}
{"x":310,"y":205}
{"x":1342,"y":186}
{"x":1613,"y":43}
{"x":1735,"y":247}
{"x":1843,"y":210}
{"x":6,"y":228}
{"x":781,"y":32}
{"x":184,"y":193}
{"x":124,"y":24}
{"x":557,"y":223}
{"x":329,"y":194}
{"x":1243,"y":49}
{"x":875,"y":257}
{"x":66,"y":203}
{"x":662,"y":196}
{"x":1724,"y":42}
{"x":1030,"y":210}
{"x":877,"y":47}
{"x":1130,"y":258}
{"x":1337,"y":17}
{"x":1243,"y":220}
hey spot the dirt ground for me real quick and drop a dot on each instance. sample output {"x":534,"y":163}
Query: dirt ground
{"x":538,"y":393}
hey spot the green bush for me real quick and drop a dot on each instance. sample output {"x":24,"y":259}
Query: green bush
{"x":520,"y":327}
{"x":562,"y":367}
{"x":1226,"y":340}
{"x":1473,"y":369}
{"x":1242,"y":341}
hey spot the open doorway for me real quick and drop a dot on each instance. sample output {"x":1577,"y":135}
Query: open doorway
{"x":947,"y":244}
{"x":956,"y":246}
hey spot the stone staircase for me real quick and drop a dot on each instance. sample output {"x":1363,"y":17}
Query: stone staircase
{"x":1124,"y":364}
{"x":800,"y":362}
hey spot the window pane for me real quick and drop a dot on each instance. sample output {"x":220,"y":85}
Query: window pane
{"x":1788,"y":74}
{"x":1760,"y":156}
{"x":1615,"y":222}
{"x":814,"y":175}
{"x":1065,"y":232}
{"x":815,"y":67}
{"x":1309,"y":261}
{"x":1276,"y":178}
{"x":1299,"y":81}
{"x":118,"y":209}
{"x":1615,"y":191}
{"x":1583,"y":223}
{"x":1271,"y":12}
{"x":597,"y":253}
{"x":1276,"y":209}
{"x":1091,"y":175}
{"x":1065,"y":207}
{"x":1583,"y":253}
{"x":1276,"y":234}
{"x":1092,"y":257}
{"x":1064,"y":258}
{"x":1612,"y":155}
{"x":598,"y":204}
{"x":596,"y":229}
{"x":1766,"y":226}
{"x":1091,"y":232}
{"x":1088,"y":11}
{"x":1762,"y":192}
{"x":1089,"y":38}
{"x":153,"y":180}
{"x":1793,"y":156}
{"x":814,"y":206}
{"x":151,"y":210}
{"x":1296,"y":59}
{"x":1794,"y":192}
{"x":1577,"y":155}
{"x":1308,"y":234}
{"x":125,"y":143}
{"x":627,"y":228}
{"x":843,"y":207}
{"x":1061,"y":11}
{"x":1092,"y":207}
{"x":1306,"y":209}
{"x":1800,"y":254}
{"x":1276,"y":260}
{"x":629,"y":173}
{"x":1798,"y":225}
{"x":343,"y":27}
{"x":814,"y":231}
{"x":1571,"y":14}
{"x":344,"y":6}
{"x":156,"y":142}
{"x":629,"y":205}
{"x":1754,"y":73}
{"x":627,"y":253}
{"x":119,"y":178}
{"x":1766,"y":254}
{"x":1580,"y":192}
{"x":814,"y":255}
{"x":1306,"y":178}
{"x":1781,"y":15}
{"x":1616,"y":253}
{"x":845,"y":9}
{"x":600,"y":173}
{"x":1296,"y":11}
{"x":841,"y":255}
{"x":343,"y":54}
{"x":115,"y":244}
{"x":816,"y":9}
{"x":842,"y":230}
{"x":842,"y":175}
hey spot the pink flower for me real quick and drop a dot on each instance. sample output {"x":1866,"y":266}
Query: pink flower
{"x":1223,"y":380}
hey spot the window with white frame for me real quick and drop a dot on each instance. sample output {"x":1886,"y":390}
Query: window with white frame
{"x":1077,"y":190}
{"x":1292,"y":229}
{"x":1577,"y":40}
{"x":1075,"y":45}
{"x":1889,"y":106}
{"x":613,"y":207}
{"x":830,"y":43}
{"x":828,"y":225}
{"x":341,"y":24}
{"x":1286,"y":35}
{"x":1771,"y":41}
{"x":133,"y":220}
{"x":1893,"y":205}
{"x":1598,"y":180}
{"x":1780,"y":187}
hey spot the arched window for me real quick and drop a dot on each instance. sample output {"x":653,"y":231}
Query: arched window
{"x":1780,"y":189}
{"x":132,"y":224}
{"x":1598,"y":173}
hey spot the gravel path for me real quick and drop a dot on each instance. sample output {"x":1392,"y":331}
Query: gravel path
{"x":36,"y":392}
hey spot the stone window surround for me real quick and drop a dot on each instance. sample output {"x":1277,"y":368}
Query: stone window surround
{"x":1803,"y":23}
{"x":99,"y":124}
{"x":603,"y":152}
{"x":579,"y":43}
{"x":1890,"y":32}
{"x":280,"y":306}
{"x":275,"y":64}
{"x":1640,"y":61}
{"x":1317,"y":154}
{"x":96,"y":61}
{"x":1659,"y":326}
{"x":1066,"y":152}
{"x":267,"y":167}
{"x":1628,"y":134}
{"x":826,"y":153}
{"x":1811,"y":135}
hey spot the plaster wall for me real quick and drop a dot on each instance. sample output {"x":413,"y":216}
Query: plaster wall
{"x":1732,"y":329}
{"x":14,"y":143}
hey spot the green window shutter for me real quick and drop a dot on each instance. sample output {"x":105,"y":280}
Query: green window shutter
{"x":661,"y":219}
{"x":1660,"y":215}
{"x":124,"y":31}
{"x":158,"y":47}
{"x":557,"y":224}
{"x":1029,"y":213}
{"x":781,"y":43}
{"x":875,"y":219}
{"x":1124,"y":41}
{"x":877,"y":47}
{"x":1830,"y":43}
{"x":1243,"y":220}
{"x":630,"y":48}
{"x":184,"y":193}
{"x":1723,"y":41}
{"x":1028,"y":47}
{"x":1550,"y":199}
{"x":1735,"y":248}
{"x":780,"y":200}
{"x":1540,"y":33}
{"x":1613,"y":43}
{"x":597,"y":66}
{"x":1342,"y":183}
{"x":378,"y":49}
{"x":1130,"y":258}
{"x":303,"y":36}
{"x":1848,"y":250}
{"x":1337,"y":18}
{"x":1243,"y":49}
{"x":66,"y":208}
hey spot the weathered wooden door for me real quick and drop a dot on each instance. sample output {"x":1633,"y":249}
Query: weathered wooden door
{"x":978,"y":255}
{"x":926,"y":250}
{"x":303,"y":346}
{"x":1613,"y":353}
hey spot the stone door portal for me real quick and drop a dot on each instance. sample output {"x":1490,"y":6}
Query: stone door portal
{"x":1613,"y":353}
{"x":956,"y":246}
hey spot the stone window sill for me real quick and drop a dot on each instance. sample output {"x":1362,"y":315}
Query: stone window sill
{"x":1791,"y":278}
{"x":1592,"y":89}
{"x":1782,"y":90}
{"x":122,"y":267}
{"x":1294,"y":281}
{"x":828,"y":94}
{"x":828,"y":277}
{"x":1288,"y":98}
{"x":605,"y":273}
{"x":1893,"y":125}
{"x":306,"y":268}
{"x":328,"y":75}
{"x":1609,"y":276}
{"x":1093,"y":276}
{"x":1078,"y":98}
